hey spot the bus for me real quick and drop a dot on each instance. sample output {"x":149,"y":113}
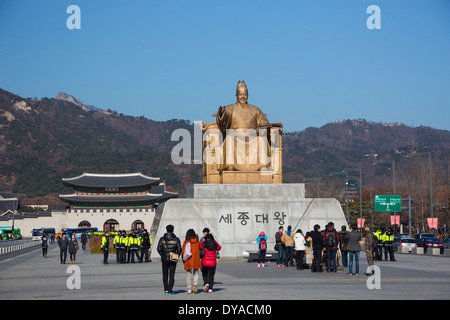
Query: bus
{"x":78,"y":231}
{"x":36,"y":234}
{"x":7,"y":233}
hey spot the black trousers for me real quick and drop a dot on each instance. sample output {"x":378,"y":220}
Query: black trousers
{"x":390,"y":250}
{"x":123,"y":255}
{"x":208,"y":276}
{"x":144,"y":252}
{"x":168,"y":273}
{"x":63,"y":255}
{"x":105,"y":255}
{"x":134,"y":252}
{"x":262,"y":256}
{"x":44,"y":252}
{"x":317,"y":261}
{"x":299,"y":259}
{"x":379,"y":253}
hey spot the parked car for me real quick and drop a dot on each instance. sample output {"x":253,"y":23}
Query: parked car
{"x":405,"y":242}
{"x":403,"y":235}
{"x":430,"y":243}
{"x":447,"y":243}
{"x":419,"y":236}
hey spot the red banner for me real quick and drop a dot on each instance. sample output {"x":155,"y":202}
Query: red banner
{"x":432,"y":223}
{"x":361,"y":223}
{"x":395,"y":220}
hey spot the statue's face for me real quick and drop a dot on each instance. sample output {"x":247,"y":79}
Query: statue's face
{"x":242,"y":96}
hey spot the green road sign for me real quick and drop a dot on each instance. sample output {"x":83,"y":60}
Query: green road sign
{"x":388,"y":203}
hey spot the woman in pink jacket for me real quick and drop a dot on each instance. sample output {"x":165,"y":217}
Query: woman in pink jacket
{"x":209,"y":262}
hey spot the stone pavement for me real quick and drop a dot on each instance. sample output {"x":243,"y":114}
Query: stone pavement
{"x":30,"y":276}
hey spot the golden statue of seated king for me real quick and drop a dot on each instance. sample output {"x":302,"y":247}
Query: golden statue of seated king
{"x":242,"y":146}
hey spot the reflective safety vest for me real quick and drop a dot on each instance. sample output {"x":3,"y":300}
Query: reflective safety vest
{"x":387,"y":240}
{"x":379,"y":238}
{"x":134,"y":243}
{"x":105,"y":243}
{"x":116,"y":240}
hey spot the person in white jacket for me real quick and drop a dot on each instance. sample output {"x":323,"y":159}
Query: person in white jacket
{"x":299,"y":245}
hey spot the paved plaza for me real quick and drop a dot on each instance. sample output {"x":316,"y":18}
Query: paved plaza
{"x":27,"y":275}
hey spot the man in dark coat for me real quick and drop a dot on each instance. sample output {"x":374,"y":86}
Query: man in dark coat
{"x":167,"y":244}
{"x":63,"y":244}
{"x":317,"y":242}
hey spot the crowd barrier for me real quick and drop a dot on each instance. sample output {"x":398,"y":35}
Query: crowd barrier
{"x":18,"y":247}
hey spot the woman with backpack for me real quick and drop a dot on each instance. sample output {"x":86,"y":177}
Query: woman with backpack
{"x":208,"y":249}
{"x":191,"y":260}
{"x":262,"y":246}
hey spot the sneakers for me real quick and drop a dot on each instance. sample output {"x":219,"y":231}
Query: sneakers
{"x":205,"y":289}
{"x":258,"y":266}
{"x":189,"y":291}
{"x":262,"y":266}
{"x":210,"y":290}
{"x":195,"y":288}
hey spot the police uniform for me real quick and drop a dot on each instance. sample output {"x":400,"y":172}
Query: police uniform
{"x":116,"y":245}
{"x":105,"y":248}
{"x":123,"y":247}
{"x":388,"y":240}
{"x":134,"y":244}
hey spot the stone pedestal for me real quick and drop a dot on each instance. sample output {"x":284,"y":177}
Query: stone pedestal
{"x":237,"y":213}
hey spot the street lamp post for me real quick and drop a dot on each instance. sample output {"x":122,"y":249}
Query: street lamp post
{"x":346,"y":190}
{"x":360,"y":191}
{"x":393,"y":169}
{"x":431,"y":176}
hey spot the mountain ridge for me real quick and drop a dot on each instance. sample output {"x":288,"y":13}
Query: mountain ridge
{"x":42,"y":141}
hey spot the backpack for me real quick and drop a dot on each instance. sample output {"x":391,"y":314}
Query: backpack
{"x":262,"y":244}
{"x":331,"y":239}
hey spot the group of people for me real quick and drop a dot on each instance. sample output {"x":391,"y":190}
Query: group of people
{"x":128,"y":246}
{"x":65,"y":245}
{"x":196,"y":254}
{"x":324,"y":247}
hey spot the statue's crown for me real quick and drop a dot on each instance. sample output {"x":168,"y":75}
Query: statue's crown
{"x":241,"y":85}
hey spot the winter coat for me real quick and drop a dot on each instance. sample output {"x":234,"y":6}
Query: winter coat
{"x":194,"y":261}
{"x":353,"y":241}
{"x":300,"y":242}
{"x":209,"y":260}
{"x":317,"y":240}
{"x":330,"y":230}
{"x":63,"y":243}
{"x":261,"y":238}
{"x":167,"y":244}
{"x":44,"y":242}
{"x":72,"y":246}
{"x":287,"y":240}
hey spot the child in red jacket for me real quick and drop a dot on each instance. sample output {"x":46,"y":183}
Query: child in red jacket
{"x":209,"y":246}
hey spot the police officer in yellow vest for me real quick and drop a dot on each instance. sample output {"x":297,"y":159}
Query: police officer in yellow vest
{"x":105,"y":247}
{"x":379,"y":246}
{"x":116,"y":244}
{"x":134,"y":243}
{"x":388,"y":240}
{"x":123,"y":247}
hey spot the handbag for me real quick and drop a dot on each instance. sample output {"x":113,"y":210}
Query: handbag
{"x":187,"y":252}
{"x":173,"y":257}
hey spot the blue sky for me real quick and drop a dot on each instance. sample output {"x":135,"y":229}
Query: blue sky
{"x":306,"y":63}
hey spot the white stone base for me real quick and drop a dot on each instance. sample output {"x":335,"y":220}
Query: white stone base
{"x":236,"y":214}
